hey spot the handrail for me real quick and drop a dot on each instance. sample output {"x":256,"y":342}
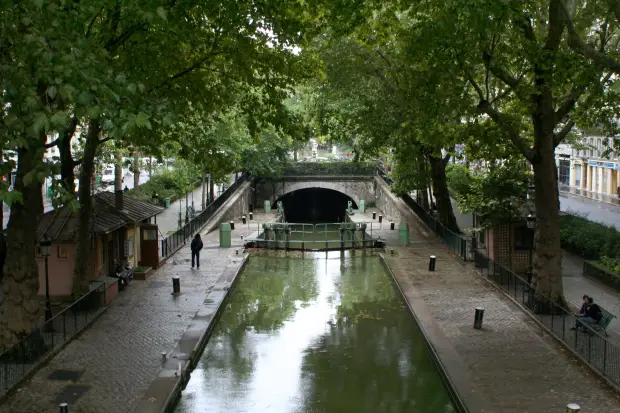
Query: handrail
{"x":19,"y":360}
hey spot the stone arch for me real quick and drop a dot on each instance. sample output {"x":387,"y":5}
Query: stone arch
{"x":350,"y":189}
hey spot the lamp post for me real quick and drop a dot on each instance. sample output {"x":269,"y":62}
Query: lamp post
{"x":45,"y":245}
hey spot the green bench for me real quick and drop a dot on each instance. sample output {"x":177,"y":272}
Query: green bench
{"x":603,"y":323}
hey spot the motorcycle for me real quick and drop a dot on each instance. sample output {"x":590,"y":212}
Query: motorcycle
{"x":124,"y":275}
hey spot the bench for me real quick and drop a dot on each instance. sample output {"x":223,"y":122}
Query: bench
{"x":603,"y":323}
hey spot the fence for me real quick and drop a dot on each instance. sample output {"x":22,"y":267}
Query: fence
{"x":593,"y":347}
{"x":458,"y":243}
{"x":591,"y":269}
{"x":24,"y":357}
{"x":331,"y":168}
{"x":172,"y":243}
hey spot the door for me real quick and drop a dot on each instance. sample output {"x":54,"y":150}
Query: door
{"x":111,"y":256}
{"x":149,"y":245}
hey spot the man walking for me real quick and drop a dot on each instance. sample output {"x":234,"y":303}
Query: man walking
{"x":196,"y":246}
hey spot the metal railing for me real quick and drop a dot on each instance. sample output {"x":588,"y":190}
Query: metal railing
{"x":319,"y":237}
{"x":331,"y":168}
{"x":17,"y":362}
{"x":174,"y":242}
{"x":594,"y":348}
{"x":458,"y":243}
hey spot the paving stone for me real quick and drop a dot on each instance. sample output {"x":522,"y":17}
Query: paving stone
{"x":120,"y":354}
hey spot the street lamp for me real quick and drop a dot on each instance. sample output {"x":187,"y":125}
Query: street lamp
{"x":45,"y":245}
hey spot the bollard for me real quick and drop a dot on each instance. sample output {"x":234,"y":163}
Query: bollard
{"x":164,"y":356}
{"x":63,"y":408}
{"x":232,"y":225}
{"x":176,"y":285}
{"x":573,"y":408}
{"x":374,"y":215}
{"x":380,"y":219}
{"x":243,"y":219}
{"x":391,"y":225}
{"x":392,"y":251}
{"x":478,"y":318}
{"x":431,"y":263}
{"x":251,"y":216}
{"x":236,"y":252}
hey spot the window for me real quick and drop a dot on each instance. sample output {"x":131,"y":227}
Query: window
{"x":62,"y":251}
{"x":38,"y":251}
{"x":482,"y":237}
{"x":524,"y":238}
{"x":150,"y":235}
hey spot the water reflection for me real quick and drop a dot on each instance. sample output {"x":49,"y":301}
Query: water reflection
{"x":315,"y":335}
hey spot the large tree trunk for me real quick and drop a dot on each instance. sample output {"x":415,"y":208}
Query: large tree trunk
{"x":548,"y":251}
{"x":441,"y":193}
{"x":425,"y":203}
{"x":118,"y":173}
{"x":83,"y":250}
{"x":136,"y":171}
{"x":20,"y":310}
{"x":67,"y":164}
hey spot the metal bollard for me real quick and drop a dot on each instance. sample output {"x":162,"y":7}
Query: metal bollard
{"x":251,"y":216}
{"x":573,"y":408}
{"x":243,"y":219}
{"x":236,"y":252}
{"x":374,"y":215}
{"x":478,"y":318}
{"x":392,"y":251}
{"x":176,"y":285}
{"x":380,"y":219}
{"x":63,"y":408}
{"x":431,"y":263}
{"x":232,"y":225}
{"x":391,"y":225}
{"x":164,"y":356}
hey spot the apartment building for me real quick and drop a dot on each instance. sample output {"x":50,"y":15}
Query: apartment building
{"x":584,"y":166}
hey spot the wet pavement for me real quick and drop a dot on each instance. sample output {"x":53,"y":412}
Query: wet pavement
{"x":328,"y":333}
{"x":118,"y":357}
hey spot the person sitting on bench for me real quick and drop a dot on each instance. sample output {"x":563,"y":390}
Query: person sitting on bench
{"x":592,"y":315}
{"x":582,"y":310}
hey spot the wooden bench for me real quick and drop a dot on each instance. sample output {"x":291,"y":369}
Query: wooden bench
{"x":603,"y":323}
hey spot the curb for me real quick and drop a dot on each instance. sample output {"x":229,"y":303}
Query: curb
{"x":176,"y":369}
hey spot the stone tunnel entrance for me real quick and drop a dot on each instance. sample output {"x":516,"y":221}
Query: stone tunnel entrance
{"x":315,"y":205}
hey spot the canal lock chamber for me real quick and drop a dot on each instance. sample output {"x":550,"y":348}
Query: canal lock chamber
{"x":315,"y":332}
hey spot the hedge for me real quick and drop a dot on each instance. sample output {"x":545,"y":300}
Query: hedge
{"x":588,"y":239}
{"x":168,"y":183}
{"x":602,"y":273}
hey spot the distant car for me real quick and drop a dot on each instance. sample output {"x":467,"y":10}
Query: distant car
{"x":108,"y":175}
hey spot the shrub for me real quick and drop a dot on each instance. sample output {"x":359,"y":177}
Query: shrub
{"x":603,"y":273}
{"x":458,"y":178}
{"x":168,"y":183}
{"x":588,"y":239}
{"x":611,"y":263}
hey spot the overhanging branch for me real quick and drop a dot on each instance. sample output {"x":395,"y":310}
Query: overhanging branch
{"x":506,"y":124}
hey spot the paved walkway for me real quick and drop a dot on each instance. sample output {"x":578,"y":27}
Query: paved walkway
{"x":116,"y":359}
{"x":511,"y":365}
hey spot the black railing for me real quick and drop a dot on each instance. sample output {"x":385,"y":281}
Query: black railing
{"x":17,"y":362}
{"x":172,"y":243}
{"x":331,"y":168}
{"x":459,"y":244}
{"x":595,"y":349}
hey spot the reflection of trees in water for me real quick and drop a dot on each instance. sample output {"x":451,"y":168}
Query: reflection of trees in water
{"x":266,"y":296}
{"x":372,"y":359}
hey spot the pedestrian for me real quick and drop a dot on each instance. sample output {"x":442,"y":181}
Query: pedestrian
{"x":582,"y":310}
{"x":196,"y":246}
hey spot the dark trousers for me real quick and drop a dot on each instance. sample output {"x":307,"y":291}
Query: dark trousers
{"x":196,"y":254}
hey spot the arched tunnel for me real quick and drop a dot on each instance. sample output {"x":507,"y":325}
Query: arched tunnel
{"x":315,"y":205}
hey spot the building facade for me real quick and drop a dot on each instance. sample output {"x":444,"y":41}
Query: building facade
{"x":585,"y":167}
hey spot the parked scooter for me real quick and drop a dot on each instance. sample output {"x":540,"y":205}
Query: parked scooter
{"x":124,"y":275}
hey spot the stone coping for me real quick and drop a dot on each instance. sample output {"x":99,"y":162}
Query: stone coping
{"x":165,"y":391}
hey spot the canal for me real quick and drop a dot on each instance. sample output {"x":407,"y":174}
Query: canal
{"x":324,"y":333}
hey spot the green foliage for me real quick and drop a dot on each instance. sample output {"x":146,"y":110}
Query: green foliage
{"x":459,"y":179}
{"x":498,"y":195}
{"x":612,"y":263}
{"x":169,"y":183}
{"x":588,"y":239}
{"x":606,"y":270}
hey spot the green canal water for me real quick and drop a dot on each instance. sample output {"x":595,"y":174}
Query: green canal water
{"x":317,"y":240}
{"x":328,"y":333}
